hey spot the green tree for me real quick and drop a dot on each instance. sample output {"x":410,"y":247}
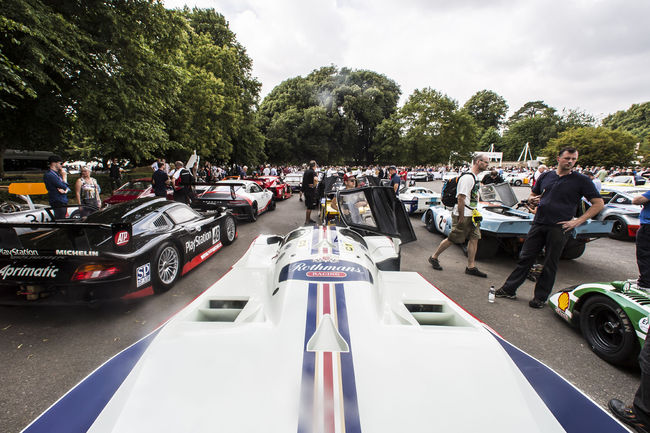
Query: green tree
{"x":42,"y":50}
{"x":487,"y":108}
{"x":575,"y":118}
{"x":596,"y":146}
{"x":531,"y":109}
{"x":351,"y":105}
{"x":534,"y":123}
{"x":635,"y":120}
{"x":490,"y":137}
{"x":433,"y":127}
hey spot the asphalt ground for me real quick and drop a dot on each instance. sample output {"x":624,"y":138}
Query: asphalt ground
{"x":44,"y":351}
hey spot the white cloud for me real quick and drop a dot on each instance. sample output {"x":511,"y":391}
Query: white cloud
{"x":589,"y":54}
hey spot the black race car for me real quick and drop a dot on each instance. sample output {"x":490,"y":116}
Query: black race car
{"x":126,"y":251}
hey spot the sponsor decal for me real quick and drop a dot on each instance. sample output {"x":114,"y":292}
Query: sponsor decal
{"x":563,"y":301}
{"x":76,"y":253}
{"x":210,"y":250}
{"x":643,"y":325}
{"x":192,"y":244}
{"x":28,"y":271}
{"x":216,"y":234}
{"x":562,"y":313}
{"x":143,"y":274}
{"x":348,"y":247}
{"x":325,"y":271}
{"x":122,"y":238}
{"x":302,"y":243}
{"x":18,"y":252}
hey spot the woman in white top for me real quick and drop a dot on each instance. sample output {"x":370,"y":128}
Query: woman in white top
{"x":87,"y":191}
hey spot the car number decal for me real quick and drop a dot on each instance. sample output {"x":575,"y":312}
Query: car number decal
{"x":143,"y":274}
{"x":216,"y":234}
{"x":643,"y":325}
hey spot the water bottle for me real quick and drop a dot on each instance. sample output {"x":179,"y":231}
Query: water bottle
{"x":491,"y":294}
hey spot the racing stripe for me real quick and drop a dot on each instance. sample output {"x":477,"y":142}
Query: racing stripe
{"x":200,"y":258}
{"x":328,"y":398}
{"x":335,"y":240}
{"x":78,"y":409}
{"x":575,"y":412}
{"x":352,"y":423}
{"x":314,"y":240}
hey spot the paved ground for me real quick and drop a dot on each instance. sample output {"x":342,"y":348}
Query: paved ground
{"x":46,"y":351}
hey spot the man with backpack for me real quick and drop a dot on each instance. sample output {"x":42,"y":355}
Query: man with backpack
{"x":463,"y":192}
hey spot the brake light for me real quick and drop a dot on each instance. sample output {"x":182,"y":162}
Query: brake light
{"x":238,"y":202}
{"x":94,"y":271}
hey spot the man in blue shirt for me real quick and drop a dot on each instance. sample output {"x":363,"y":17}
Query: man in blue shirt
{"x":638,"y":415}
{"x":57,"y":187}
{"x":558,"y":193}
{"x":394,"y":179}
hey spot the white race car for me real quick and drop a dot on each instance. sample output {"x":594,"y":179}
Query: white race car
{"x":318,"y":331}
{"x":246,"y":198}
{"x":417,"y":199}
{"x":28,"y":212}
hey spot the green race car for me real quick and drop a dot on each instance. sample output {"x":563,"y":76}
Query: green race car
{"x":613,"y":317}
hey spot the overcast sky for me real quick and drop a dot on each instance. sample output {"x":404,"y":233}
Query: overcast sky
{"x":593,"y":54}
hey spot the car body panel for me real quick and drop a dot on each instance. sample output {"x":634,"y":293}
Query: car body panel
{"x":619,"y":207}
{"x":306,"y":333}
{"x":500,"y":219}
{"x":418,"y":199}
{"x":136,"y":188}
{"x":276,"y":185}
{"x":294,"y":180}
{"x":237,"y":195}
{"x":54,"y":253}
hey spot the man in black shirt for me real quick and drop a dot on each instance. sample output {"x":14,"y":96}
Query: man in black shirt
{"x":492,"y":177}
{"x":394,"y":179}
{"x":558,"y":193}
{"x":115,"y":173}
{"x":309,"y":183}
{"x":183,"y":184}
{"x":160,"y":180}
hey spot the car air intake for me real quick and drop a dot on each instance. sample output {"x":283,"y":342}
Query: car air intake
{"x":439,"y":314}
{"x":221,"y":310}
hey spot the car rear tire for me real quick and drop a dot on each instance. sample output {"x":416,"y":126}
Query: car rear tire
{"x":429,"y":222}
{"x":573,"y":249}
{"x":609,"y":331}
{"x":619,"y":229}
{"x":229,"y":230}
{"x":517,"y":182}
{"x":252,"y":217}
{"x":166,"y":267}
{"x":272,"y":205}
{"x":488,"y":246}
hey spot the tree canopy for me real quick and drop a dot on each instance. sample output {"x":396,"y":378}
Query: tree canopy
{"x":487,"y":109}
{"x":128,"y":79}
{"x":596,"y":146}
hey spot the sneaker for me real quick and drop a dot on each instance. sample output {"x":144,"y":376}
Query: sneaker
{"x":536,"y":303}
{"x":500,"y":293}
{"x":474,"y":271}
{"x":300,"y":199}
{"x":435,"y":264}
{"x":627,"y":415}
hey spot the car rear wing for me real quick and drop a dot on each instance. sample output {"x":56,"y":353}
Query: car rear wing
{"x":78,"y":234}
{"x":24,"y":190}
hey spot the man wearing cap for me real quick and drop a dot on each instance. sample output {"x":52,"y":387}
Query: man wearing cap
{"x":394,"y":179}
{"x":55,"y":180}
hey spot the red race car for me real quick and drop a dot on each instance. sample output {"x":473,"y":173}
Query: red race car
{"x":274,"y":184}
{"x":137,"y":188}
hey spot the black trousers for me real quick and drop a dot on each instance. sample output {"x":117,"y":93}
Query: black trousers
{"x":643,"y":255}
{"x":554,"y":239}
{"x":642,"y":396}
{"x":60,"y":210}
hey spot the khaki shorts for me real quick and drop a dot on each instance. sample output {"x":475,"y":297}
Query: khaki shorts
{"x":465,"y":231}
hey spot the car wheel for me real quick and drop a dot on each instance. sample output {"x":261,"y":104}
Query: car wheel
{"x":272,"y":205}
{"x":229,"y":229}
{"x":619,"y":229}
{"x":166,"y":267}
{"x":488,"y":246}
{"x":429,"y":222}
{"x":573,"y":249}
{"x":517,"y":182}
{"x":252,"y":217}
{"x":608,"y":330}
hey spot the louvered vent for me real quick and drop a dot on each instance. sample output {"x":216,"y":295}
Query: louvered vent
{"x":160,"y":222}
